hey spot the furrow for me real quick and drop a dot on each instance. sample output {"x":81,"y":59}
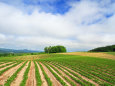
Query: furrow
{"x":44,"y":82}
{"x":19,"y":77}
{"x":51,"y":76}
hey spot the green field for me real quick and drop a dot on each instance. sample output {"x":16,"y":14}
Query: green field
{"x":58,"y":69}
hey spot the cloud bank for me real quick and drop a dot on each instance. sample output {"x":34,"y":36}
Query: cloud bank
{"x":85,"y":25}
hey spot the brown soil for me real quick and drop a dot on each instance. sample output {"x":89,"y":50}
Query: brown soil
{"x":6,"y":67}
{"x":82,"y":77}
{"x":44,"y":82}
{"x":61,"y":77}
{"x":7,"y":74}
{"x":31,"y":81}
{"x":50,"y":75}
{"x":101,"y":55}
{"x":5,"y":63}
{"x":19,"y":77}
{"x":63,"y":74}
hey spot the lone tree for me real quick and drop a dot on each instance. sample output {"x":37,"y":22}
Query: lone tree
{"x":55,"y":49}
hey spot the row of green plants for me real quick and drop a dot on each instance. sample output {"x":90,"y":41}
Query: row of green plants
{"x":6,"y":64}
{"x":45,"y":75}
{"x":8,"y":82}
{"x":89,"y":67}
{"x":25,"y":76}
{"x":89,"y":75}
{"x":98,"y":72}
{"x":68,"y":80}
{"x":104,"y":76}
{"x":96,"y":76}
{"x":57,"y":77}
{"x":38,"y":78}
{"x":67,"y":72}
{"x":2,"y":71}
{"x":2,"y":63}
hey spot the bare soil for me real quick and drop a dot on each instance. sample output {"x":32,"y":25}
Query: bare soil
{"x":66,"y":75}
{"x":50,"y":75}
{"x":7,"y":74}
{"x":82,"y":76}
{"x":19,"y":77}
{"x":44,"y":82}
{"x":6,"y":67}
{"x":5,"y":63}
{"x":31,"y":81}
{"x":61,"y":77}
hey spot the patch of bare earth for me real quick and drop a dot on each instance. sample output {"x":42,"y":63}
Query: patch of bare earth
{"x":85,"y":78}
{"x":5,"y":63}
{"x":101,"y":55}
{"x":7,"y":74}
{"x":19,"y":77}
{"x":50,"y":75}
{"x":44,"y":82}
{"x":6,"y":67}
{"x":63,"y":74}
{"x":31,"y":81}
{"x":61,"y":77}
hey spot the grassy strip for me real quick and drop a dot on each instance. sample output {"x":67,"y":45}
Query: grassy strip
{"x":6,"y":65}
{"x":68,"y":80}
{"x":25,"y":76}
{"x":38,"y":78}
{"x":2,"y":71}
{"x":46,"y":76}
{"x":57,"y":77}
{"x":8,"y":82}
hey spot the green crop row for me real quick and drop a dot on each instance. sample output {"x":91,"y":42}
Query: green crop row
{"x":25,"y":76}
{"x":99,"y":74}
{"x":89,"y":74}
{"x":76,"y":75}
{"x":57,"y":77}
{"x":2,"y":71}
{"x":38,"y":78}
{"x":68,"y":80}
{"x":6,"y":65}
{"x":46,"y":76}
{"x":75,"y":79}
{"x":8,"y":82}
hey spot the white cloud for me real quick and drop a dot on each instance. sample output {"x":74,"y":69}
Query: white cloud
{"x":40,"y":29}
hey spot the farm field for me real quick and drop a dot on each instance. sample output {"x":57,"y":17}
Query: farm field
{"x":57,"y":70}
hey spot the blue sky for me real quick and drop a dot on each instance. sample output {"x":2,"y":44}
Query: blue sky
{"x":76,"y":24}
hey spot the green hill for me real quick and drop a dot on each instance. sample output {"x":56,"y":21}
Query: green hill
{"x":110,"y":48}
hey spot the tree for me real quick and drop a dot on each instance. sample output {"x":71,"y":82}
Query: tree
{"x":55,"y":49}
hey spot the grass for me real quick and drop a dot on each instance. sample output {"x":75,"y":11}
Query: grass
{"x":112,"y":53}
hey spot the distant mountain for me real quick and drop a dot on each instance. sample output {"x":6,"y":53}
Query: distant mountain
{"x":110,"y":48}
{"x":3,"y":50}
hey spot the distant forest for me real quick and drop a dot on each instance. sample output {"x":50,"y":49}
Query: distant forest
{"x":110,"y":48}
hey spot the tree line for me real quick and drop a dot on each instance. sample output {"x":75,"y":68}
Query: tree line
{"x":55,"y":49}
{"x":110,"y":48}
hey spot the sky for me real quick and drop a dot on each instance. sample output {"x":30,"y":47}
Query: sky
{"x":79,"y":25}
